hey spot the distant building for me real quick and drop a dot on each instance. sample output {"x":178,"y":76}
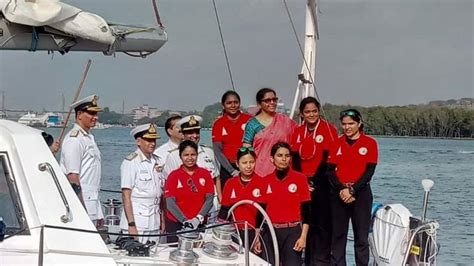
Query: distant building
{"x":465,"y":103}
{"x":145,"y":111}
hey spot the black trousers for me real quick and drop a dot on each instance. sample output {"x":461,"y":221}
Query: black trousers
{"x":172,"y":227}
{"x":359,"y":213}
{"x":286,"y":238}
{"x":318,"y":242}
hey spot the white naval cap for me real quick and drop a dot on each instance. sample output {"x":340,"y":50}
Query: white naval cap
{"x":145,"y":131}
{"x":190,"y":122}
{"x":87,"y":104}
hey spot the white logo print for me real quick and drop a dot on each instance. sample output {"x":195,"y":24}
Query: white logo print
{"x":292,"y":188}
{"x":319,"y":138}
{"x":224,"y":132}
{"x":339,"y":152}
{"x":232,"y":195}
{"x":202,"y":181}
{"x":256,"y":193}
{"x":363,"y":151}
{"x":269,"y":189}
{"x":179,"y":184}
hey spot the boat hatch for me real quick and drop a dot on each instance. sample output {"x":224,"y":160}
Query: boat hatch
{"x":10,"y":206}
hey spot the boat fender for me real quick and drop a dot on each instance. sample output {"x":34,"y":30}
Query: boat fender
{"x":131,"y":156}
{"x":74,"y":133}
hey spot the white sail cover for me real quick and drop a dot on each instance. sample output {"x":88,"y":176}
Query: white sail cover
{"x":390,"y":236}
{"x":58,"y":15}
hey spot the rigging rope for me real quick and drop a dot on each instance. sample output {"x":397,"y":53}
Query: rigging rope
{"x":311,"y":79}
{"x":223,"y":44}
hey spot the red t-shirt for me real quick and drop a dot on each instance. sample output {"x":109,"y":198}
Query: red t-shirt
{"x":350,"y":160}
{"x":230,"y":133}
{"x":235,"y":191}
{"x":311,"y":145}
{"x":284,"y":197}
{"x":189,"y":190}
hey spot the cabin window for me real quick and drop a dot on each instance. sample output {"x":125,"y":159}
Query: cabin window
{"x":10,"y":207}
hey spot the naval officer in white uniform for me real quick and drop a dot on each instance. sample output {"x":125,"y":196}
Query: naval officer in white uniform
{"x":80,"y":158}
{"x":191,"y":127}
{"x":173,"y":130}
{"x":142,"y":187}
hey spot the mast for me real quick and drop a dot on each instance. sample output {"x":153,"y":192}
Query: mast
{"x":306,"y":80}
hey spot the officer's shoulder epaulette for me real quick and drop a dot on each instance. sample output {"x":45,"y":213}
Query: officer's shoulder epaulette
{"x":74,"y":133}
{"x":131,"y":156}
{"x":205,"y":146}
{"x":172,"y":150}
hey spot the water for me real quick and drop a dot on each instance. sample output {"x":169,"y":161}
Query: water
{"x":403,"y":163}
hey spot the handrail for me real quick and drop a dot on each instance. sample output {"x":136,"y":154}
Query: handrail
{"x":46,"y":166}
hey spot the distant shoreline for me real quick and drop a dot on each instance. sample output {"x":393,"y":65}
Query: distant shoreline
{"x":420,"y":137}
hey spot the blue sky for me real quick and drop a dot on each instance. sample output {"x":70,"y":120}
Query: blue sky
{"x":371,"y":52}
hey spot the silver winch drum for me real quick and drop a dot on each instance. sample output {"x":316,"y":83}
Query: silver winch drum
{"x":112,"y":211}
{"x":184,"y":254}
{"x":221,"y":245}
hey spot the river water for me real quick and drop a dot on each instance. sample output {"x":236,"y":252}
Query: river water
{"x":403,"y":163}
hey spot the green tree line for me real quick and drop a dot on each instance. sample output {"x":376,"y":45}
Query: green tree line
{"x":415,"y":121}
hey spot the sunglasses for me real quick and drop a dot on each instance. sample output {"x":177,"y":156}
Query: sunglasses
{"x":349,"y":113}
{"x":192,"y":185}
{"x":269,"y":100}
{"x":245,"y":149}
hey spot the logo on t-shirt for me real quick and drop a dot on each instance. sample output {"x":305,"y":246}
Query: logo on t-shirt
{"x":179,"y":184}
{"x":224,"y":132}
{"x":319,"y":138}
{"x":363,"y":151}
{"x":256,"y":193}
{"x":232,"y":195}
{"x":269,"y":189}
{"x":292,"y":188}
{"x":298,"y":140}
{"x":339,"y":152}
{"x":202,"y":181}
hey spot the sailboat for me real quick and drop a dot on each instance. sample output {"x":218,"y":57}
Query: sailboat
{"x":41,"y":219}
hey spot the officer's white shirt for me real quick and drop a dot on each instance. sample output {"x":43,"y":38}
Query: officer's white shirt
{"x":141,"y":175}
{"x":206,"y":160}
{"x":80,"y":155}
{"x":163,"y":151}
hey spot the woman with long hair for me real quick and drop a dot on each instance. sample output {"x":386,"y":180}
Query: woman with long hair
{"x":310,"y":144}
{"x":227,"y":133}
{"x":189,"y":192}
{"x":351,"y":165}
{"x":267,"y":128}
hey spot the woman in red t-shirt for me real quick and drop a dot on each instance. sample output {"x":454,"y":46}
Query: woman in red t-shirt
{"x":245,"y":186}
{"x":351,"y":165}
{"x":189,"y":192}
{"x":288,"y":205}
{"x":310,"y":144}
{"x":227,"y":133}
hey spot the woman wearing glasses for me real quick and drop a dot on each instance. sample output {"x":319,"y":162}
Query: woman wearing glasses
{"x":267,"y":128}
{"x":351,"y":165}
{"x":189,"y":191}
{"x":245,"y":186}
{"x":288,"y":205}
{"x":310,"y":143}
{"x":227,"y":133}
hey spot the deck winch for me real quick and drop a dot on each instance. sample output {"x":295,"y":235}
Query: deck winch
{"x":221,"y":245}
{"x":184,"y":253}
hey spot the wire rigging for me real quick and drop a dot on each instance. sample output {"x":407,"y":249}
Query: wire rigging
{"x":223,"y":44}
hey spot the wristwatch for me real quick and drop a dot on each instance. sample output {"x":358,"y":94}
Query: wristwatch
{"x":132,"y":224}
{"x":200,"y":218}
{"x":351,"y":191}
